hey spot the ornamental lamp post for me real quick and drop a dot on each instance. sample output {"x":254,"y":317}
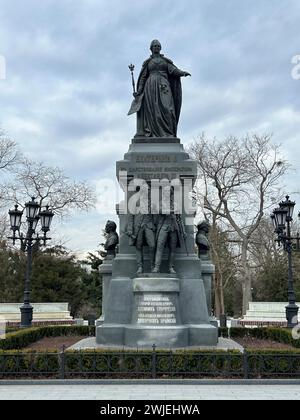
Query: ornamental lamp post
{"x":282,"y":218}
{"x":15,"y":217}
{"x":33,"y":216}
{"x":46,"y":219}
{"x":288,"y":206}
{"x":280,"y":215}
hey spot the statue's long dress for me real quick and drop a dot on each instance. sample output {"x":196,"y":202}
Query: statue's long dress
{"x":157,"y":116}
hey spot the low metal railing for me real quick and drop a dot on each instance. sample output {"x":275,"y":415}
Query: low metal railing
{"x":148,"y":364}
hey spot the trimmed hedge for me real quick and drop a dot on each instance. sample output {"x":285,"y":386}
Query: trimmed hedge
{"x":29,"y":364}
{"x":147,"y":364}
{"x":175,"y":363}
{"x":281,"y":335}
{"x":24,"y":337}
{"x":107,"y":363}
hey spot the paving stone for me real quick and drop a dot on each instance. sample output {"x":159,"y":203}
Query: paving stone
{"x":150,"y":392}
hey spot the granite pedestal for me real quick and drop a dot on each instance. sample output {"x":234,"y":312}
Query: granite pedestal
{"x":168,"y":310}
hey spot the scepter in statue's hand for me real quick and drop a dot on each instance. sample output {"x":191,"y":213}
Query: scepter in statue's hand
{"x":131,"y":68}
{"x":136,"y":103}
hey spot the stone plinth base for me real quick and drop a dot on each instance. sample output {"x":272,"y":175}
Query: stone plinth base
{"x":163,"y":312}
{"x":163,"y":337}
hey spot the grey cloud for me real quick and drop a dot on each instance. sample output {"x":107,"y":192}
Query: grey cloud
{"x":68,"y":86}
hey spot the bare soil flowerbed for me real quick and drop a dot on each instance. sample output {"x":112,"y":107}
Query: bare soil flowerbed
{"x":258,"y":343}
{"x":54,"y":343}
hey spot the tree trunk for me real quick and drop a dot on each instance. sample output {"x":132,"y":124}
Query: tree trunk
{"x":218,"y":277}
{"x":219,"y":295}
{"x":246,"y":278}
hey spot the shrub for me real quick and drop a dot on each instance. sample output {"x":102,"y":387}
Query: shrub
{"x":24,"y":337}
{"x":281,"y":335}
{"x":134,"y":364}
{"x":14,"y":363}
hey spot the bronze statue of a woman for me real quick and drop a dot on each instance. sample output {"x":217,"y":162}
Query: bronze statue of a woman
{"x":158,"y":96}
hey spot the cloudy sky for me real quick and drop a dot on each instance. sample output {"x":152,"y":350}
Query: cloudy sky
{"x":68,"y":89}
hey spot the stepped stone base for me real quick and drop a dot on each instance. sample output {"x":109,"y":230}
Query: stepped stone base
{"x":91,"y":344}
{"x":160,"y":313}
{"x":47,"y":311}
{"x":266,"y":312}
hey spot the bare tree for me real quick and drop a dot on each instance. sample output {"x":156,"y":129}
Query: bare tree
{"x":240,"y":182}
{"x":9,"y":154}
{"x":225,"y":260}
{"x":9,"y":159}
{"x":269,"y":264}
{"x":262,"y":245}
{"x":50,"y":186}
{"x":4,"y":227}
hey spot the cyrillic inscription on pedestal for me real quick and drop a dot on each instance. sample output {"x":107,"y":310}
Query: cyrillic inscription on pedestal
{"x":155,"y":309}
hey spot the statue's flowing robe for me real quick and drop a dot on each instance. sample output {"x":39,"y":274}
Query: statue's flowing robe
{"x":159,"y":102}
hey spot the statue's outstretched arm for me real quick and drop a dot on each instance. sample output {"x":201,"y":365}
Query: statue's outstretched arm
{"x":176,"y":72}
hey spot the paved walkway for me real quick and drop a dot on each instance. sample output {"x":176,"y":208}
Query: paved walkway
{"x":149,"y":392}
